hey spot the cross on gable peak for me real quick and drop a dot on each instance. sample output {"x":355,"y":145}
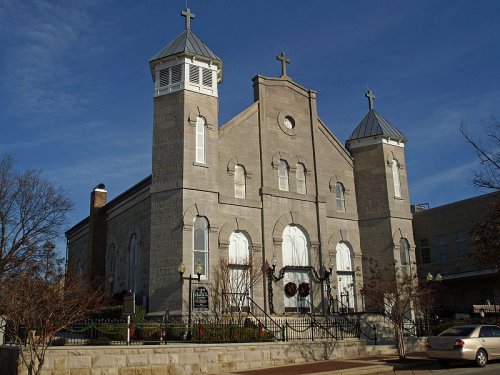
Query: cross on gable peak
{"x":371,"y":98}
{"x":187,"y":13}
{"x":284,"y":60}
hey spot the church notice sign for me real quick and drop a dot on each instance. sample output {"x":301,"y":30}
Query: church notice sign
{"x":200,"y":298}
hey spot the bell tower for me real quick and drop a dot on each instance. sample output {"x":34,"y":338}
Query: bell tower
{"x":385,"y":220}
{"x":186,"y":74}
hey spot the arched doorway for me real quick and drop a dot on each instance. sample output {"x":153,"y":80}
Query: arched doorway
{"x":345,"y":278}
{"x":295,"y":248}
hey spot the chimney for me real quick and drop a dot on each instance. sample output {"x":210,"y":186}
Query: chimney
{"x":97,"y":235}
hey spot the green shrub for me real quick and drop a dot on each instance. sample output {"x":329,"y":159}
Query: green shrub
{"x":148,"y":331}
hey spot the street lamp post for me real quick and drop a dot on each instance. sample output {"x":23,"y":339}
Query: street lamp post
{"x":199,"y":270}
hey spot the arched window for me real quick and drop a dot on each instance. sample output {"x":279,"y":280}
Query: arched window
{"x":404,"y":252}
{"x":79,"y":269}
{"x":200,"y":245}
{"x":239,"y":182}
{"x":239,"y":271}
{"x":200,"y":140}
{"x":112,"y":265}
{"x":295,"y":252}
{"x":301,"y":178}
{"x":395,"y":178}
{"x":283,"y":175}
{"x":132,"y":264}
{"x":345,"y":277}
{"x":340,"y":197}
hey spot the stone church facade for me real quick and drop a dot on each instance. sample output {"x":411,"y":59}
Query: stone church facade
{"x":273,"y":185}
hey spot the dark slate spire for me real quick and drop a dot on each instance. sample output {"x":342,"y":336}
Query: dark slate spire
{"x":373,"y":124}
{"x":186,"y":42}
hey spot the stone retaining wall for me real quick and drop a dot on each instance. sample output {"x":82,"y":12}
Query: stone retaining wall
{"x":188,"y":359}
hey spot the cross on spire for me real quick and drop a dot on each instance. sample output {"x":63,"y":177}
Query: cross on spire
{"x":187,"y":13}
{"x":284,"y":61}
{"x":371,"y":98}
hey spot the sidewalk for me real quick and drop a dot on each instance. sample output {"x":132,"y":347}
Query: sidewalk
{"x":386,"y":365}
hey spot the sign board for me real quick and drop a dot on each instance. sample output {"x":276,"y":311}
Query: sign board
{"x":200,"y":298}
{"x":129,"y":304}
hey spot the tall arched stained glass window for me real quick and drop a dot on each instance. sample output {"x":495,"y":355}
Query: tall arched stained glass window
{"x":283,"y":175}
{"x":340,"y":197}
{"x":301,"y":178}
{"x":200,"y":245}
{"x":239,"y":182}
{"x":132,"y":264}
{"x":395,"y":178}
{"x":200,"y":140}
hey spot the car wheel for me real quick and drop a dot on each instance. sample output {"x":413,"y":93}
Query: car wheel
{"x":444,"y":362}
{"x":481,"y":358}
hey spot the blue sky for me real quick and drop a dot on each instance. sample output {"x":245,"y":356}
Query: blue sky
{"x":76,"y":91}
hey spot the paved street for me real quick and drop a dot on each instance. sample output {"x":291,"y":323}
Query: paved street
{"x":458,"y":369}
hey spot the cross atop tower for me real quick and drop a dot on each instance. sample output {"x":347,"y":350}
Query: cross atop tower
{"x":371,"y":98}
{"x":284,"y":61}
{"x":187,"y":13}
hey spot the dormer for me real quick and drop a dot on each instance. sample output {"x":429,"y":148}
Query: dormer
{"x":186,"y":63}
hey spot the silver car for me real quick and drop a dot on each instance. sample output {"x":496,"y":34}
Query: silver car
{"x":478,"y":343}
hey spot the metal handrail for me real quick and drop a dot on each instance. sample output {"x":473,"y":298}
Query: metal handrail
{"x":281,"y":328}
{"x":357,"y":325}
{"x":333,"y":323}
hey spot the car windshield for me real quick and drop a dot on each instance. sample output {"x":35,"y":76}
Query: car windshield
{"x":458,"y":331}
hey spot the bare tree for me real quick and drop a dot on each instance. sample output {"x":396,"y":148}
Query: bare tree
{"x":231,"y":283}
{"x":488,"y":152}
{"x":39,"y":300}
{"x":395,"y":291}
{"x":486,"y":240}
{"x":32,"y":212}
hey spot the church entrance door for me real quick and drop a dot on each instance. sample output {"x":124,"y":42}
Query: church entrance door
{"x":295,"y":249}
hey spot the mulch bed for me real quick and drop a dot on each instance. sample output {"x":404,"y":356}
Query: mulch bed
{"x":305,"y":368}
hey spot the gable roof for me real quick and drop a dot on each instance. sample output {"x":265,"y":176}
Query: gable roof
{"x":373,"y":124}
{"x":186,"y":42}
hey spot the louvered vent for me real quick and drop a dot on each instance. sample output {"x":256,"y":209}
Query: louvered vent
{"x":194,"y":74}
{"x":164,"y":77}
{"x":176,"y":74}
{"x":207,"y":77}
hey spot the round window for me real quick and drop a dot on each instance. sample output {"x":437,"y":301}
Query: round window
{"x":289,"y":122}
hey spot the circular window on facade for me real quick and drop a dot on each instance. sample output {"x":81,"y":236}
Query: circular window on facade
{"x":289,"y":122}
{"x":286,"y":121}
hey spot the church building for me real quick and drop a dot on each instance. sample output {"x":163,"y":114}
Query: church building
{"x":273,"y":187}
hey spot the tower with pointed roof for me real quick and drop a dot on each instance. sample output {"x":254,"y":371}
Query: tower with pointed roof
{"x":185,"y":73}
{"x":385,"y":220}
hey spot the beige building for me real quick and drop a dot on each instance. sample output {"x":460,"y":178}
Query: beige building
{"x":272,"y":185}
{"x":442,"y":235}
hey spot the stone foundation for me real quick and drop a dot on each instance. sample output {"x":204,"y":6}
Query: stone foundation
{"x":188,"y":359}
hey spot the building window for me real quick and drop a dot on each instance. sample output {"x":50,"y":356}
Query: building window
{"x":301,"y":178}
{"x":340,"y":197}
{"x":239,"y":272}
{"x":425,"y":250}
{"x":395,"y":178}
{"x":170,"y":76}
{"x":442,"y":247}
{"x":283,"y":175}
{"x":461,"y":243}
{"x":404,"y":254}
{"x":239,"y":182}
{"x":132,"y":264}
{"x":345,"y":277}
{"x":200,"y":140}
{"x":112,"y":265}
{"x":200,"y":245}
